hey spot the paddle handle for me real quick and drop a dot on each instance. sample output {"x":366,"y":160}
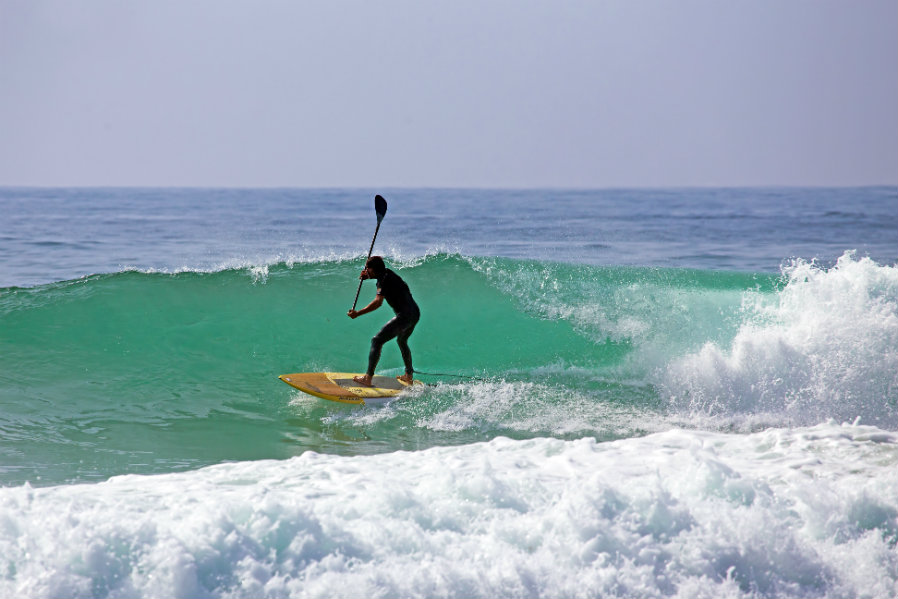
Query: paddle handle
{"x":370,"y":249}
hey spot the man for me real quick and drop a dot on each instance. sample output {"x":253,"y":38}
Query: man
{"x":392,"y":288}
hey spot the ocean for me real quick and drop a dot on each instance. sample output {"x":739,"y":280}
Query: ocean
{"x":632,"y":393}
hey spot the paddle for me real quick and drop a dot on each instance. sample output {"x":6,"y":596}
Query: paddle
{"x":380,"y":207}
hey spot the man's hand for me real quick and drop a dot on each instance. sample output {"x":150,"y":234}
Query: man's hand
{"x":374,"y":305}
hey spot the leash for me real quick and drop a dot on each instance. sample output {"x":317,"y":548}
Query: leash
{"x":458,"y":376}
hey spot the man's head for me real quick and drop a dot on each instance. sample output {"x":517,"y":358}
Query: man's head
{"x":376,"y":265}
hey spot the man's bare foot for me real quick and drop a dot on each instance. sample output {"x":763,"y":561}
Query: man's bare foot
{"x":363,"y":380}
{"x":408,"y":379}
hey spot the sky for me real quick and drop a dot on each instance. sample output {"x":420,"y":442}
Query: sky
{"x":454,"y":93}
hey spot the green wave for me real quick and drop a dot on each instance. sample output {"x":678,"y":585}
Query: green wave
{"x":137,"y":371}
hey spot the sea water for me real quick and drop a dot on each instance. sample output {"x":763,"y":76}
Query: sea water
{"x":640,"y":393}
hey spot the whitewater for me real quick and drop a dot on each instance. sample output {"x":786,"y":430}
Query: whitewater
{"x":645,"y":393}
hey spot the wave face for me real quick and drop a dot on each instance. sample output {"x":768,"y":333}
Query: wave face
{"x":780,"y":513}
{"x":142,"y":372}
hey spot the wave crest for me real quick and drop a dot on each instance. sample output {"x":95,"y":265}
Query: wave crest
{"x":824,"y":346}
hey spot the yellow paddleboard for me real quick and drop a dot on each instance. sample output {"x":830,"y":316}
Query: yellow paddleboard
{"x":339,"y":386}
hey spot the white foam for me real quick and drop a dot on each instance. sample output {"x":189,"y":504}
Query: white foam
{"x":498,"y":406}
{"x":808,"y":512}
{"x":525,"y":407}
{"x":257,"y":267}
{"x":826,"y":346}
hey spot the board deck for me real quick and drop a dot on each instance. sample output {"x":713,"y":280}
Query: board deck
{"x":339,"y":386}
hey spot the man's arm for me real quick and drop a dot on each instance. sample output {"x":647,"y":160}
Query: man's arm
{"x":374,"y":305}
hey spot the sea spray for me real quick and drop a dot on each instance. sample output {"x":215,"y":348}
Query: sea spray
{"x":824,"y":346}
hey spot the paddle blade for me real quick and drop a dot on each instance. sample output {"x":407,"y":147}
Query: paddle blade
{"x":380,"y":206}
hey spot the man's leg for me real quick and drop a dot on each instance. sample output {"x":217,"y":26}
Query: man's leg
{"x":402,"y":340}
{"x":390,"y":330}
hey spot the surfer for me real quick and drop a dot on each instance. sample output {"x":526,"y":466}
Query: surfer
{"x":392,"y":288}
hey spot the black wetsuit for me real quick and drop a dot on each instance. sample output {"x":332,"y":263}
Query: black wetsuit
{"x":393,"y":289}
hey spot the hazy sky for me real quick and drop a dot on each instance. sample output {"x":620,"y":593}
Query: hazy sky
{"x":480,"y":93}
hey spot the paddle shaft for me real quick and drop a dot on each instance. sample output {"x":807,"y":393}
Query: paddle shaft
{"x":370,"y":249}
